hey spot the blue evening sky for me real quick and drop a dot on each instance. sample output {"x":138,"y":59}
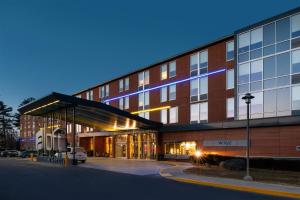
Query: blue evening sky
{"x":69,"y":45}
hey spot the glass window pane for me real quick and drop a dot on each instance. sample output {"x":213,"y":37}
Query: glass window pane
{"x":230,"y":79}
{"x":126,"y":106}
{"x":146,"y":100}
{"x":195,"y":113}
{"x":296,"y":79}
{"x":269,"y":67}
{"x":230,"y":108}
{"x":146,"y":81}
{"x":283,"y":101}
{"x":243,"y":88}
{"x":173,"y":114}
{"x":172,"y":92}
{"x":270,"y":83}
{"x":121,"y":84}
{"x":256,"y":38}
{"x":163,"y":72}
{"x":255,"y":54}
{"x":172,"y":69}
{"x":127,"y":83}
{"x":270,"y":103}
{"x":194,"y":87}
{"x":164,"y":116}
{"x":257,"y":105}
{"x":203,"y":85}
{"x":283,"y":64}
{"x":256,"y":70}
{"x":244,"y":73}
{"x":296,"y":43}
{"x":296,"y":61}
{"x":282,"y":81}
{"x":141,"y":79}
{"x":244,"y":42}
{"x":230,"y":50}
{"x":203,"y":59}
{"x":242,"y":111}
{"x":203,"y":112}
{"x":283,"y":46}
{"x":163,"y":94}
{"x":296,"y":98}
{"x":141,"y":99}
{"x":194,"y":62}
{"x":283,"y":29}
{"x":296,"y":25}
{"x":269,"y":50}
{"x":269,"y":34}
{"x":243,"y":57}
{"x":256,"y":86}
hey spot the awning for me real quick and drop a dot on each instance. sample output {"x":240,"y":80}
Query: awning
{"x":88,"y":113}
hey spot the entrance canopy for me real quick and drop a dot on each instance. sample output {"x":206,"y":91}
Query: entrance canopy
{"x":88,"y":113}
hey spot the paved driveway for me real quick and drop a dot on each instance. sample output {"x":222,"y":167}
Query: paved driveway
{"x":136,"y":167}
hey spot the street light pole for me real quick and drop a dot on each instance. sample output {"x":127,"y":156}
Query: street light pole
{"x":247,"y":99}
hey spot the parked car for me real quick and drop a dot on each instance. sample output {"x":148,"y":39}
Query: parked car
{"x":9,"y":153}
{"x":26,"y":154}
{"x":80,"y":154}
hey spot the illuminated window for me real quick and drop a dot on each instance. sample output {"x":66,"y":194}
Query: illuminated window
{"x":173,"y":115}
{"x":121,"y":103}
{"x":141,"y":99}
{"x":143,"y":79}
{"x":172,"y":92}
{"x":172,"y":69}
{"x":163,"y":72}
{"x":126,"y":105}
{"x":164,"y":116}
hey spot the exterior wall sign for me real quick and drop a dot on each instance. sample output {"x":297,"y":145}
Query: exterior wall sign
{"x":225,"y":143}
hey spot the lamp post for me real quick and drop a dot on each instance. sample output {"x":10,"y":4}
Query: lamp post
{"x":247,"y":99}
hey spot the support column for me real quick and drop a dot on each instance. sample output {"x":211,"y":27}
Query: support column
{"x":66,"y":128}
{"x":74,"y":161}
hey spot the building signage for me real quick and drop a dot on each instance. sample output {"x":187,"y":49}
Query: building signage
{"x":225,"y":143}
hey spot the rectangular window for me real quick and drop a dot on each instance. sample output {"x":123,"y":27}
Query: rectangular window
{"x":172,"y":69}
{"x":164,"y":116}
{"x":163,"y":72}
{"x":203,"y":88}
{"x":269,"y":34}
{"x":256,"y":108}
{"x":203,"y":61}
{"x":194,"y":89}
{"x":296,"y":61}
{"x":146,"y":78}
{"x":146,"y":99}
{"x":283,"y":101}
{"x":230,"y":108}
{"x":296,"y":25}
{"x":89,"y":95}
{"x":107,"y":90}
{"x":103,"y":91}
{"x":256,"y":70}
{"x":229,"y":51}
{"x":296,"y":100}
{"x":141,"y":79}
{"x":127,"y":83}
{"x":194,"y":113}
{"x":147,"y":115}
{"x":283,"y":29}
{"x":203,"y":112}
{"x":244,"y":73}
{"x":194,"y":64}
{"x":256,"y":38}
{"x":121,"y":85}
{"x":141,"y":99}
{"x":283,"y":64}
{"x":173,"y":114}
{"x":230,"y":79}
{"x":163,"y":94}
{"x":244,"y":42}
{"x":121,"y":103}
{"x":126,"y":105}
{"x":172,"y":92}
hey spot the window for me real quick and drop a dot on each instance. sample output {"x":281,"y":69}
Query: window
{"x":172,"y":92}
{"x":127,"y":83}
{"x":194,"y":87}
{"x":256,"y":38}
{"x":257,"y":105}
{"x":256,"y":70}
{"x":296,"y":25}
{"x":172,"y":69}
{"x":78,"y":96}
{"x":194,"y":113}
{"x":203,"y":88}
{"x":146,"y":115}
{"x":121,"y":103}
{"x":230,"y":108}
{"x":283,"y":64}
{"x":229,"y":51}
{"x":141,"y":99}
{"x":121,"y":85}
{"x":269,"y":34}
{"x":163,"y":72}
{"x":143,"y":79}
{"x":203,"y":112}
{"x":126,"y":105}
{"x":194,"y":64}
{"x":270,"y":103}
{"x":230,"y":79}
{"x":164,"y":116}
{"x":269,"y":67}
{"x":283,"y":29}
{"x":203,"y":61}
{"x":244,"y":73}
{"x":107,"y":90}
{"x":163,"y":94}
{"x":296,"y":99}
{"x":89,"y":95}
{"x":147,"y":77}
{"x":146,"y":99}
{"x":283,"y":101}
{"x":173,"y":114}
{"x":244,"y":42}
{"x":102,"y":92}
{"x":296,"y":61}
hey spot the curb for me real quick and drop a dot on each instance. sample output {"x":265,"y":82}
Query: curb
{"x":232,"y":187}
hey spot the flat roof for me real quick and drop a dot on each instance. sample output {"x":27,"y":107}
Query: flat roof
{"x":88,"y":113}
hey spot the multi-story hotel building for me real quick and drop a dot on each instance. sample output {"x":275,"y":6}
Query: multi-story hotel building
{"x":196,"y":95}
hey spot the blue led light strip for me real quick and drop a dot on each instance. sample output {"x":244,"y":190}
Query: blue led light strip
{"x":165,"y":85}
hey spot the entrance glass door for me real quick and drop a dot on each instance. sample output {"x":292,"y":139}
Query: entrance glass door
{"x":121,"y":146}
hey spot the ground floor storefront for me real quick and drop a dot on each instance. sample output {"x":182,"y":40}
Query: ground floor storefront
{"x":139,"y":145}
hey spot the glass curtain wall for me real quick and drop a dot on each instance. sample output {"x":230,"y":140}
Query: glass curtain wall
{"x":269,"y":68}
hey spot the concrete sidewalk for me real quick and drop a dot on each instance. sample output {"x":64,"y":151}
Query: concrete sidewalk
{"x":176,"y":173}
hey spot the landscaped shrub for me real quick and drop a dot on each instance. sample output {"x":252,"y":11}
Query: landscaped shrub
{"x":233,"y":164}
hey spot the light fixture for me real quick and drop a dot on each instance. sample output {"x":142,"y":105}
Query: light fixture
{"x":151,"y":110}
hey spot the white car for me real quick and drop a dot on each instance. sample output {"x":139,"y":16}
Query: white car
{"x":80,"y":154}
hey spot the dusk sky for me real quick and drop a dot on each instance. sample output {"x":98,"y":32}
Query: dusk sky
{"x":69,"y":45}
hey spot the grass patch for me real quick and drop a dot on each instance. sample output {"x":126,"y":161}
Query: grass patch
{"x":260,"y":175}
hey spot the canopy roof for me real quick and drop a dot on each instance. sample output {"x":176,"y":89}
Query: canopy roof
{"x":88,"y":113}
